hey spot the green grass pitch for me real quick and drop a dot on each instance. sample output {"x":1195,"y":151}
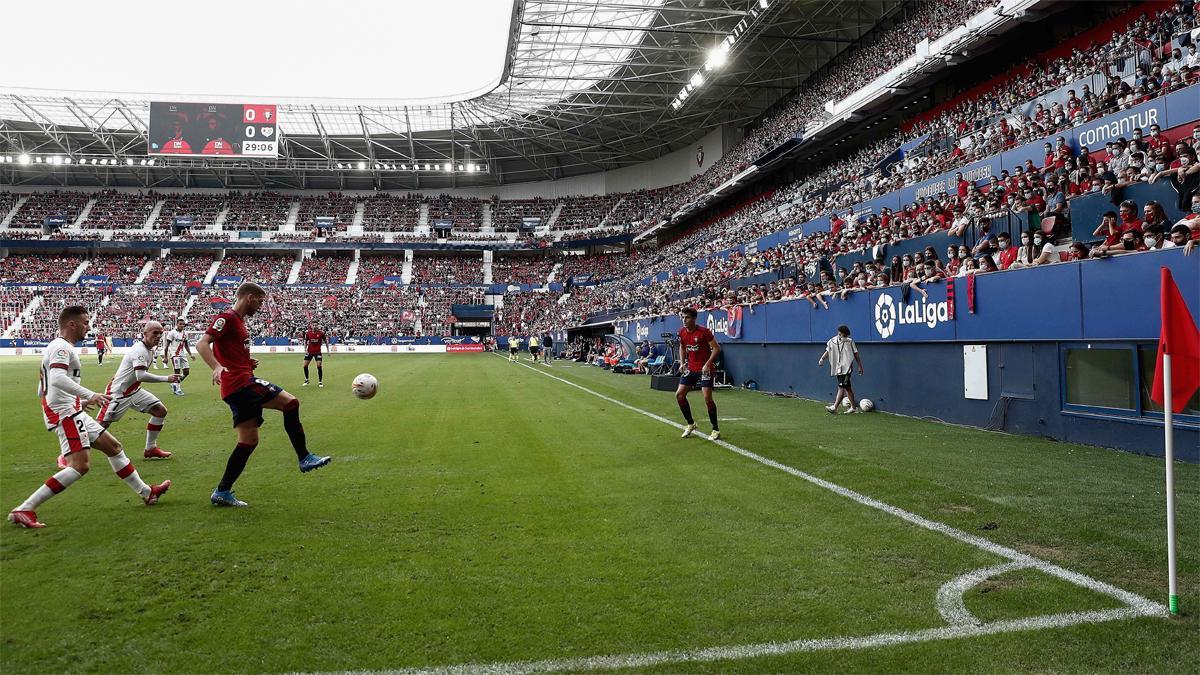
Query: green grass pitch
{"x":478,"y":512}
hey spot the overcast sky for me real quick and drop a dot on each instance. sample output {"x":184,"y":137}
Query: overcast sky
{"x":299,"y":49}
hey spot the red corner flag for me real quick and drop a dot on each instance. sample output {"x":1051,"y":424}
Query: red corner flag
{"x":1181,"y":340}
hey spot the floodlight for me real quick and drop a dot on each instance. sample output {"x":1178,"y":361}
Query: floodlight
{"x":66,"y":160}
{"x":38,"y":160}
{"x":361,"y":165}
{"x":764,"y":3}
{"x":446,"y":166}
{"x":697,"y":80}
{"x":128,"y":161}
{"x":150,"y":162}
{"x":56,"y":160}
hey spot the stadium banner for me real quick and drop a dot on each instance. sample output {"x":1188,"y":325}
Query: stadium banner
{"x":324,"y":222}
{"x":977,"y":172}
{"x":386,"y":280}
{"x":181,"y":222}
{"x":1094,"y":300}
{"x":464,"y":348}
{"x":1121,"y":125}
{"x":227,"y":281}
{"x":1182,"y":107}
{"x":530,"y":222}
{"x":213,"y":130}
{"x":55,"y":222}
{"x":93,"y":279}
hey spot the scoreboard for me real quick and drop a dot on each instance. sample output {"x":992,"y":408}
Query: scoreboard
{"x":220,"y":130}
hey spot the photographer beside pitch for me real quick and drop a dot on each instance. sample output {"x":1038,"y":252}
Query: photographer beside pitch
{"x":842,"y":354}
{"x":698,"y":350}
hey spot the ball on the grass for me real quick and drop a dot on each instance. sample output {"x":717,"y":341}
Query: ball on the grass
{"x":866,"y":405}
{"x":365,"y":386}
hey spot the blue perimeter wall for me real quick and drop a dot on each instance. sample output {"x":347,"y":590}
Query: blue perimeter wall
{"x":1024,"y":317}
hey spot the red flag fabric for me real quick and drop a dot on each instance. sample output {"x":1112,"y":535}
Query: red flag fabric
{"x":1179,"y":338}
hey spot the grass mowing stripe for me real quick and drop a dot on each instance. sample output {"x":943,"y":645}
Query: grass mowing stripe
{"x":1144,"y":606}
{"x":740,"y":652}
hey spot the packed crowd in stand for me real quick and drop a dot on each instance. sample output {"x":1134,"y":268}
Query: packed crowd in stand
{"x":43,"y":320}
{"x":333,"y":205}
{"x":120,"y":269}
{"x":179,"y":269}
{"x":203,"y":209}
{"x":114,"y":210}
{"x":267,"y":269}
{"x":13,"y":300}
{"x":130,"y":306}
{"x":373,"y":268}
{"x":41,"y":205}
{"x":324,"y":270}
{"x":392,"y":213}
{"x":464,"y":213}
{"x":448,"y":269}
{"x":510,"y":214}
{"x":514,"y":269}
{"x":259,"y":211}
{"x":34,"y":269}
{"x":585,"y":212}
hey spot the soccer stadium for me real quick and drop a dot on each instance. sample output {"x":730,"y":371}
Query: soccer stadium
{"x":656,"y":336}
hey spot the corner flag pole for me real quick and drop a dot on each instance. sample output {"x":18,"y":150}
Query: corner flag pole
{"x":1169,"y":447}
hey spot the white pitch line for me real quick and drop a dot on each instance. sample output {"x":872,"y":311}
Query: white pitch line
{"x":950,"y":602}
{"x":1143,"y":606}
{"x":767,"y":649}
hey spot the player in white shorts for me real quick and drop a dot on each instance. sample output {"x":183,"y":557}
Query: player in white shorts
{"x":177,"y":351}
{"x":125,"y":390}
{"x":64,"y":401}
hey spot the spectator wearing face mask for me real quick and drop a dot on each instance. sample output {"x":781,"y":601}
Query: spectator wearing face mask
{"x":987,"y":239}
{"x":1034,"y":250}
{"x":1131,"y":242}
{"x":1079,"y":251}
{"x":1007,"y":252}
{"x":1185,"y":179}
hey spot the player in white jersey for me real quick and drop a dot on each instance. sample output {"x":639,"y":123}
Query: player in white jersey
{"x":178,"y":351}
{"x":64,"y":401}
{"x":125,"y":390}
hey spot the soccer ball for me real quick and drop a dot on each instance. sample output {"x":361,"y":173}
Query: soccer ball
{"x":365,"y":386}
{"x":866,"y":405}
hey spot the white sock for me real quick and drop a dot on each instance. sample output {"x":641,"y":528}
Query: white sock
{"x":53,"y":485}
{"x":152,"y":430}
{"x":125,"y":471}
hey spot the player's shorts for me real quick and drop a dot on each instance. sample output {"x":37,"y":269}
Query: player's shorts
{"x":843,"y":380}
{"x":535,"y":350}
{"x":247,"y":402}
{"x":77,"y":432}
{"x":310,"y":357}
{"x":694,"y":379}
{"x":140,"y":400}
{"x":101,"y":350}
{"x":512,"y":350}
{"x":180,"y":362}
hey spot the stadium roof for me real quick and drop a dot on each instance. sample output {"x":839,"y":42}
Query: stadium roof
{"x":587,"y":85}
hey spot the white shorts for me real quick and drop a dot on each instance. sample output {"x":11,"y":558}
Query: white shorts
{"x":77,"y":432}
{"x":180,"y":362}
{"x":140,"y":400}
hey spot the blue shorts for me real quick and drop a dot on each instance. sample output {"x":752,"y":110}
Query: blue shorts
{"x":247,"y":402}
{"x":693,"y":379}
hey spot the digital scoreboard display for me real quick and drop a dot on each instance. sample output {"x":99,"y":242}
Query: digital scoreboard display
{"x":230,"y":130}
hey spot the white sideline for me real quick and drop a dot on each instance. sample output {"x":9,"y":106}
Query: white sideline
{"x":949,"y":601}
{"x":766,"y":649}
{"x":1142,"y":605}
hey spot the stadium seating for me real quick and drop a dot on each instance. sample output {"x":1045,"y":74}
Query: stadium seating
{"x":271,"y":269}
{"x":449,"y":269}
{"x":26,"y":269}
{"x":114,"y":210}
{"x":120,"y":269}
{"x":391,"y":213}
{"x":324,"y":270}
{"x":203,"y":209}
{"x":521,"y":269}
{"x":40,"y":205}
{"x":179,"y":269}
{"x":260,"y":211}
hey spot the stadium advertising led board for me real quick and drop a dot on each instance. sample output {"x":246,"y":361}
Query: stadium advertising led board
{"x":228,"y":130}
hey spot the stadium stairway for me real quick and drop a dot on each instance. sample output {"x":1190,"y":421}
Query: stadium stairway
{"x":154,"y":213}
{"x":407,"y":270}
{"x":554,"y":215}
{"x":145,"y":269}
{"x":212,"y":272}
{"x":607,"y":216}
{"x":83,"y":214}
{"x":34,"y":303}
{"x":187,"y":307}
{"x":488,"y":256}
{"x":360,"y":210}
{"x":423,"y":218}
{"x":294,"y":275}
{"x":219,"y":223}
{"x":486,"y":225}
{"x":352,"y":271}
{"x":290,"y":224}
{"x":11,"y":214}
{"x":74,"y":278}
{"x":553,"y":273}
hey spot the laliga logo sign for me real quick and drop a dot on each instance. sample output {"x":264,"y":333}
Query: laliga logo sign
{"x":640,"y":331}
{"x":920,"y":312}
{"x":717,"y":325}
